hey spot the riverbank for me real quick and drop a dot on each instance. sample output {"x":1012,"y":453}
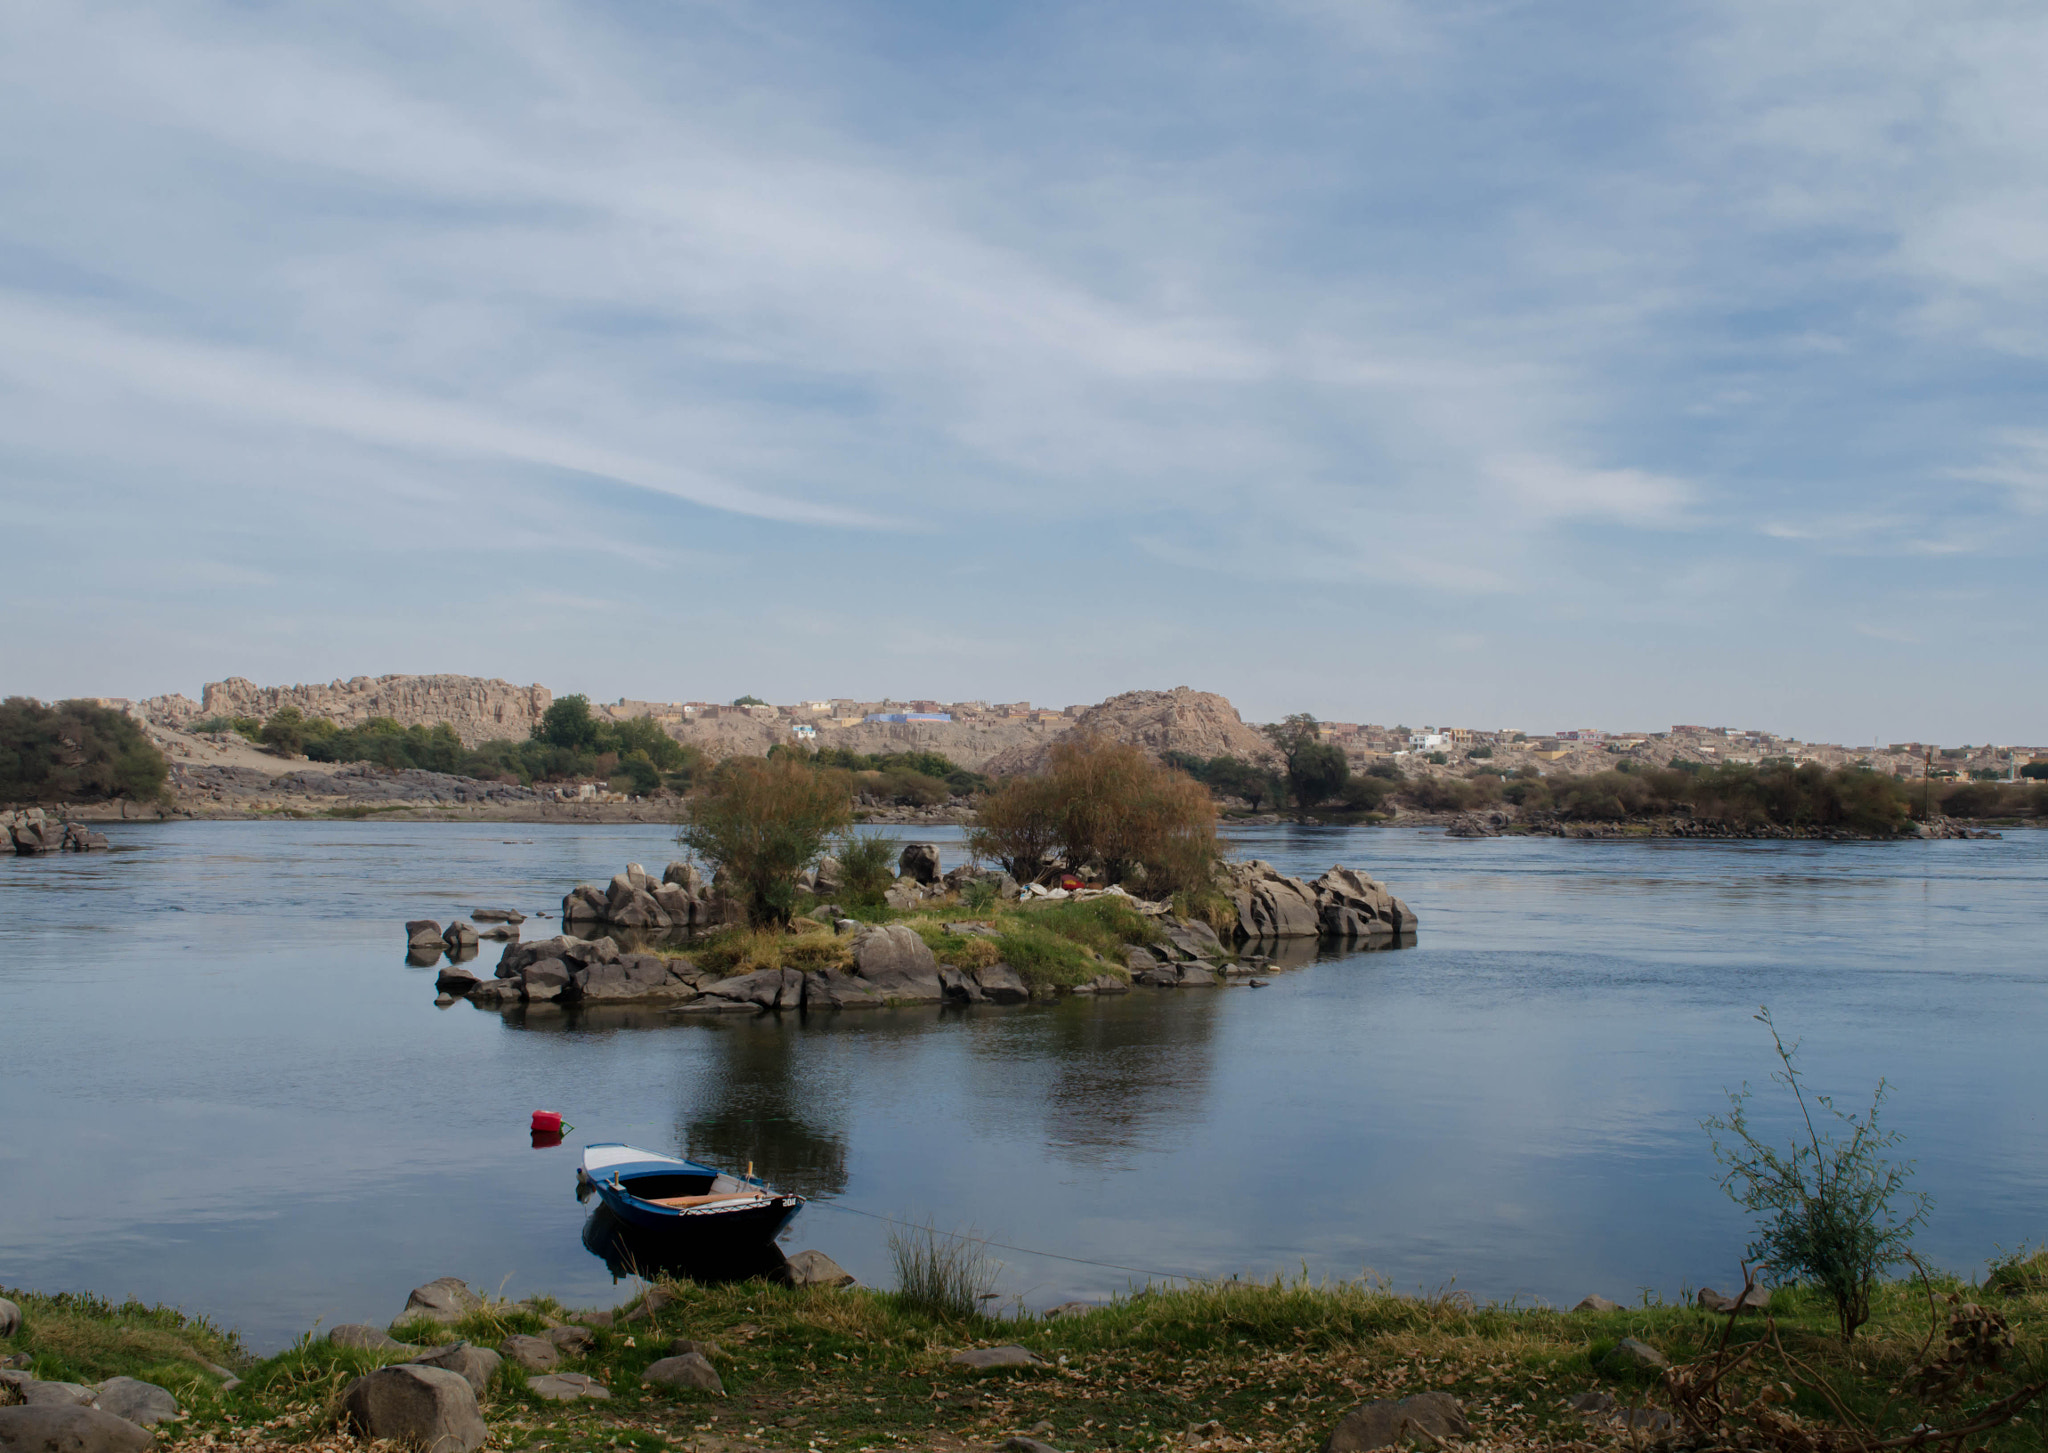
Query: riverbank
{"x":1211,"y":1367}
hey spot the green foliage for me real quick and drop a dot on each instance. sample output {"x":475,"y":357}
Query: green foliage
{"x":1774,"y":793}
{"x":1231,"y":776}
{"x":762,"y":821}
{"x":247,"y":726}
{"x":1826,"y":1201}
{"x":943,"y":1276}
{"x":1105,"y":804}
{"x":748,"y":701}
{"x":568,"y":723}
{"x":1480,"y":753}
{"x":2038,"y":771}
{"x":867,"y":866}
{"x":75,"y":751}
{"x":917,"y":779}
{"x":1364,"y":794}
{"x":1439,"y":759}
{"x":1043,"y":957}
{"x":1316,"y":770}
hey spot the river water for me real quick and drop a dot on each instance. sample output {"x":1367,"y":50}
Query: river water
{"x":221,"y":1085}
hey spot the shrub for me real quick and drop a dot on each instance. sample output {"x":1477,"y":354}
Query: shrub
{"x":1826,"y":1203}
{"x":75,"y":751}
{"x":1316,"y":770}
{"x":1364,"y":794}
{"x":763,"y":821}
{"x":867,"y":866}
{"x":1232,"y":776}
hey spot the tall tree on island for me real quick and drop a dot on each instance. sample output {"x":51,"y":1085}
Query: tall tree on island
{"x":1316,"y":770}
{"x":763,"y":820}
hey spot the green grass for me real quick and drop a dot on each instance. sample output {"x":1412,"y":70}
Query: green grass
{"x":1275,"y":1363}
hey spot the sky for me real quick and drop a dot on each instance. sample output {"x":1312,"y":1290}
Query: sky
{"x":1490,"y":364}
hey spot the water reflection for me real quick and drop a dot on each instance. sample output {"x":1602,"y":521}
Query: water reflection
{"x":751,"y":1109}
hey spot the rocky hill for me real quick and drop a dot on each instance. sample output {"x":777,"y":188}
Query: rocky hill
{"x":478,"y":709}
{"x":1180,"y":720}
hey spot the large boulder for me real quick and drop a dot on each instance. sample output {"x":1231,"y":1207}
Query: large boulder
{"x":838,"y":989}
{"x":56,"y":1394}
{"x":682,"y":909}
{"x":458,"y":936}
{"x":1001,"y":984}
{"x":456,"y":981}
{"x":829,"y":877}
{"x":1272,"y":905}
{"x":685,"y":876}
{"x":897,"y":964}
{"x":535,"y":1354}
{"x":919,"y":862}
{"x":1190,"y":938}
{"x":476,"y":1364}
{"x":583,"y":904}
{"x":635,"y":977}
{"x":69,"y":1429}
{"x":430,"y":1408}
{"x":690,"y":1370}
{"x":548,"y":979}
{"x":424,"y":935}
{"x":444,"y":1299}
{"x":764,"y":989}
{"x":1386,"y":1422}
{"x":10,"y":1318}
{"x":1356,"y":905}
{"x":141,"y":1403}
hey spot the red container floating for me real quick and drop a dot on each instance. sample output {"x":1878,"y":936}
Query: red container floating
{"x":547,"y":1122}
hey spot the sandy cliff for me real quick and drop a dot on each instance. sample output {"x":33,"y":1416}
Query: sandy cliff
{"x":479,"y":710}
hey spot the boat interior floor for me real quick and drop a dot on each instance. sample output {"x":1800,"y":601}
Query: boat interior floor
{"x":685,"y":1203}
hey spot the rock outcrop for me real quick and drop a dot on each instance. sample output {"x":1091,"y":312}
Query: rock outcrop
{"x":30,"y":832}
{"x":634,"y":900}
{"x":1180,"y":720}
{"x":480,"y":710}
{"x":1344,"y":903}
{"x":578,"y":970}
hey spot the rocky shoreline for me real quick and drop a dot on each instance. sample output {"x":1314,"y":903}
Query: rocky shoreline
{"x":1502,"y":824}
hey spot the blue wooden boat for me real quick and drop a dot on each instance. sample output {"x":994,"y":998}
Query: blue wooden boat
{"x":701,"y":1214}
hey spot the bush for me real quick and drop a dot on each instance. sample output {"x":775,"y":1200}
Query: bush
{"x":1364,"y":794}
{"x":763,"y":820}
{"x":75,"y":751}
{"x":1105,"y":803}
{"x":1827,"y":1203}
{"x":867,"y":866}
{"x":1231,"y":776}
{"x":1316,"y":770}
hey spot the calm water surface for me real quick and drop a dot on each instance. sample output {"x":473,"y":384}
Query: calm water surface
{"x":221,"y":1085}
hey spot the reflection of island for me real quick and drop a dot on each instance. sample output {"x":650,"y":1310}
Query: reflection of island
{"x":628,"y":1251}
{"x":750,"y":1108}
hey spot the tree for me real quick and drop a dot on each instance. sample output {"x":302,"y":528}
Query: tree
{"x":748,"y":701}
{"x":1107,"y":804}
{"x":568,"y":723}
{"x":763,"y":821}
{"x":1825,"y":1203}
{"x":74,"y":751}
{"x":1316,"y":770}
{"x":285,"y":732}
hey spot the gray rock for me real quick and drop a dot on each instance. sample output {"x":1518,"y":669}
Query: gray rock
{"x":495,"y":993}
{"x":444,"y":1299}
{"x":1011,"y":1356}
{"x":919,"y":863}
{"x":358,"y":1334}
{"x":456,"y":981}
{"x":637,"y":876}
{"x":575,"y":1341}
{"x":1002,"y":984}
{"x":1068,"y":1309}
{"x":636,"y":977}
{"x":498,"y":915}
{"x":1755,"y":1299}
{"x":69,"y":1429}
{"x":56,"y":1394}
{"x":1198,"y":976}
{"x":837,"y":989}
{"x":423,"y":933}
{"x":706,"y":1350}
{"x":141,"y":1403}
{"x":429,"y":1407}
{"x":897,"y":964}
{"x":583,"y":904}
{"x":1384,"y":1423}
{"x":816,"y":1269}
{"x":476,"y":1364}
{"x":690,"y":1369}
{"x":959,"y":987}
{"x":683,"y":876}
{"x":566,"y":1387}
{"x":1140,"y":958}
{"x":458,"y":936}
{"x":1018,"y":1443}
{"x":1629,"y":1352}
{"x":10,"y":1318}
{"x":846,"y":925}
{"x":1591,"y":1403}
{"x":764,"y":989}
{"x":535,"y":1354}
{"x":1597,"y":1303}
{"x":548,"y":979}
{"x":1111,"y":984}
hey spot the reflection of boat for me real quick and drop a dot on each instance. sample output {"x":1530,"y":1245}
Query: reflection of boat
{"x":686,"y":1212}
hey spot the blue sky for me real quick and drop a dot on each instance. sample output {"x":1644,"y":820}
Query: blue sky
{"x":1498,"y":364}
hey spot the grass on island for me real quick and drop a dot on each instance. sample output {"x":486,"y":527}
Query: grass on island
{"x":1050,"y":944}
{"x":1219,"y":1366}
